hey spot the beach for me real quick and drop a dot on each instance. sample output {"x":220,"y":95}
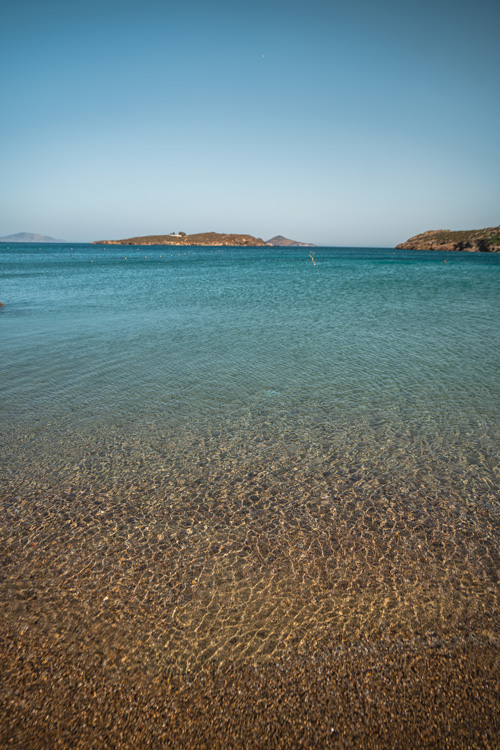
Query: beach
{"x":260,"y":509}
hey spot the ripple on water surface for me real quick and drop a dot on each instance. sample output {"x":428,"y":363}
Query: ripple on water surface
{"x":259,"y":463}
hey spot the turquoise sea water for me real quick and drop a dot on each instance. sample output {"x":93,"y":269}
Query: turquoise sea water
{"x":255,"y":450}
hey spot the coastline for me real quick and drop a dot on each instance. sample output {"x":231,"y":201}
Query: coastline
{"x":445,"y":240}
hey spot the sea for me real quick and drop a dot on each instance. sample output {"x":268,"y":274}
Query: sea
{"x":221,"y":455}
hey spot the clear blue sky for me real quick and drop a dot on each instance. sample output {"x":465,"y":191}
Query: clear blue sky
{"x":343,"y":123}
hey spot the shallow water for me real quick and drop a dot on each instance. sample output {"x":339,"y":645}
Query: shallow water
{"x":239,"y":454}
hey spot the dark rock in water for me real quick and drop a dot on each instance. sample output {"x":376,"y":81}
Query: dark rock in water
{"x":473,"y":240}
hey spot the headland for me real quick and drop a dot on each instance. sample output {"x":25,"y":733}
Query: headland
{"x":471,"y":240}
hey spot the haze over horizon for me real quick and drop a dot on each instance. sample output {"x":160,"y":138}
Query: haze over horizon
{"x":337,"y":125}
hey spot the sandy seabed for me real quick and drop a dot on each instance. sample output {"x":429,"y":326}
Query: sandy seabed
{"x":397,"y":697}
{"x":274,"y":599}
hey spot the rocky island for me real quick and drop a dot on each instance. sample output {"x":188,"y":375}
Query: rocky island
{"x":280,"y":241}
{"x":472,"y":240}
{"x":205,"y":238}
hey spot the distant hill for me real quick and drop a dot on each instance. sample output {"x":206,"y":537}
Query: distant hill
{"x":280,"y":241}
{"x":27,"y":237}
{"x":205,"y":238}
{"x":472,"y":240}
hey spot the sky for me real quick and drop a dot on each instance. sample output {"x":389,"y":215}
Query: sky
{"x":347,"y":123}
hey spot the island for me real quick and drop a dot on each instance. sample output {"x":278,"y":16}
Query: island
{"x":280,"y":241}
{"x":205,"y":238}
{"x":29,"y":237}
{"x":472,"y":240}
